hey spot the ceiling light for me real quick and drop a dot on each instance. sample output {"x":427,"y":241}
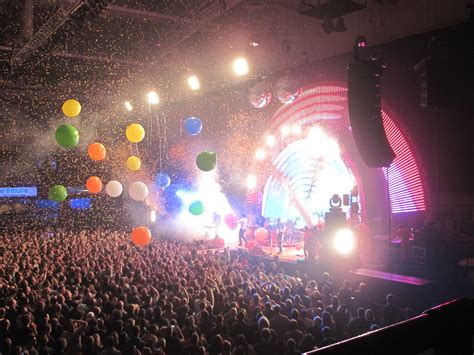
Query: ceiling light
{"x":270,"y":140}
{"x":153,"y":98}
{"x":193,"y":82}
{"x":260,"y":154}
{"x":240,"y":66}
{"x":128,"y":106}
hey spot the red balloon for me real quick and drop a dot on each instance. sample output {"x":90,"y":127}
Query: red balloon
{"x":141,"y":236}
{"x":261,"y":235}
{"x":231,"y":220}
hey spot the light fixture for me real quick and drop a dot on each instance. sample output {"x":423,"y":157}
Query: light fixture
{"x":328,"y":26}
{"x":193,"y":82}
{"x":254,"y":44}
{"x":360,"y":41}
{"x":344,"y":241}
{"x":260,"y":154}
{"x":340,"y":25}
{"x":296,"y":130}
{"x":240,"y":66}
{"x":128,"y":106}
{"x":285,"y":130}
{"x":153,"y":98}
{"x":270,"y":140}
{"x":251,"y":182}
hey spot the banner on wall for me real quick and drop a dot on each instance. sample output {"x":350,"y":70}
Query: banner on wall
{"x":20,"y":191}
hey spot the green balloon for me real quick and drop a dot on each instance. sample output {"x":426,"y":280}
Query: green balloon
{"x":57,"y":193}
{"x":196,"y":208}
{"x":206,"y":161}
{"x":67,"y":136}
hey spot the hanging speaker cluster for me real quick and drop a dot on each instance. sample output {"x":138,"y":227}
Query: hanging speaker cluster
{"x":364,"y":78}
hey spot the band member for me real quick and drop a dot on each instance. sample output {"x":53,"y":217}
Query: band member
{"x":306,"y":238}
{"x":280,"y":227}
{"x":243,"y":222}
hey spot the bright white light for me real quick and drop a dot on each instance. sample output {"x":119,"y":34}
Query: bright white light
{"x":251,"y":182}
{"x":270,"y":140}
{"x":152,"y":216}
{"x":260,"y":154}
{"x":240,"y":66}
{"x":315,"y":133}
{"x":285,"y":130}
{"x":128,"y":106}
{"x":193,"y":82}
{"x":296,"y":130}
{"x":254,"y":44}
{"x":153,"y":98}
{"x":332,"y":148}
{"x":344,"y":241}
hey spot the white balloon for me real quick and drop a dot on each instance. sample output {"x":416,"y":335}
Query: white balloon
{"x":138,"y":191}
{"x":114,"y":188}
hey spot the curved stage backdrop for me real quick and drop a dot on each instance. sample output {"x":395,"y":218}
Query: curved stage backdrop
{"x":308,"y":154}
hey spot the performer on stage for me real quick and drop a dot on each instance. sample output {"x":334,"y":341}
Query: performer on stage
{"x":243,"y":222}
{"x":280,"y":227}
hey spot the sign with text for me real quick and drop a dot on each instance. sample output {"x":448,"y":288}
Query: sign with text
{"x":20,"y":191}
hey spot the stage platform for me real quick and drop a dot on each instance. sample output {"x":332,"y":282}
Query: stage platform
{"x":387,"y":276}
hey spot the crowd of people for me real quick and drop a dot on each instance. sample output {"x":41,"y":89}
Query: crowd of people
{"x":94,"y":292}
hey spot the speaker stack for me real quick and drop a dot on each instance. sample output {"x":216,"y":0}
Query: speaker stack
{"x":365,"y":113}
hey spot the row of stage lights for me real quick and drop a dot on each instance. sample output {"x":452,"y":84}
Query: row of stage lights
{"x":240,"y":67}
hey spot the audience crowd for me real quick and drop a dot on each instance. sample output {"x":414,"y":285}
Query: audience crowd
{"x":96,"y":293}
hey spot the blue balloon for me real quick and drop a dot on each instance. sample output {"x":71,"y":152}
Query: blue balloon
{"x":193,"y":126}
{"x":163,"y":180}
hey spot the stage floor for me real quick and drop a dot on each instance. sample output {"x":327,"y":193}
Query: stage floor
{"x":291,"y":253}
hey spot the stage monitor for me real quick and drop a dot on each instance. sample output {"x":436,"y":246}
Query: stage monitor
{"x":80,"y":203}
{"x":19,"y":191}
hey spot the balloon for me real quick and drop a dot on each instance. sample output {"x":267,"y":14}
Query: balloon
{"x":96,"y":151}
{"x":67,"y":136}
{"x":196,"y":208}
{"x":135,"y":133}
{"x":261,"y":235}
{"x":57,"y":193}
{"x":71,"y":108}
{"x":193,"y":126}
{"x":134,"y":163}
{"x":231,"y":220}
{"x":138,"y":191}
{"x":114,"y":188}
{"x":94,"y":185}
{"x":206,"y":161}
{"x":163,"y":180}
{"x":141,"y":236}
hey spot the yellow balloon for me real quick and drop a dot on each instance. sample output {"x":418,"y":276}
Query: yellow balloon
{"x":135,"y":133}
{"x":71,"y":108}
{"x":134,"y":163}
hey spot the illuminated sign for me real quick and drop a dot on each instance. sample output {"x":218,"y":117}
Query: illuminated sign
{"x":21,"y":191}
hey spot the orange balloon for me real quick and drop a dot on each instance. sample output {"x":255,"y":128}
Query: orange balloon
{"x":96,"y":151}
{"x":141,"y":236}
{"x":94,"y":185}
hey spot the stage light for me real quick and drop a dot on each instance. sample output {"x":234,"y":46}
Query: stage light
{"x":327,"y":26}
{"x":128,"y":106}
{"x":344,"y":241}
{"x":332,"y":148}
{"x":251,"y":182}
{"x":360,"y":41}
{"x":260,"y":154}
{"x":152,"y":216}
{"x":193,"y":82}
{"x":285,"y":130}
{"x":296,"y":130}
{"x":254,"y":44}
{"x":340,"y":25}
{"x":270,"y":140}
{"x":240,"y":66}
{"x":153,"y":98}
{"x":315,"y":133}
